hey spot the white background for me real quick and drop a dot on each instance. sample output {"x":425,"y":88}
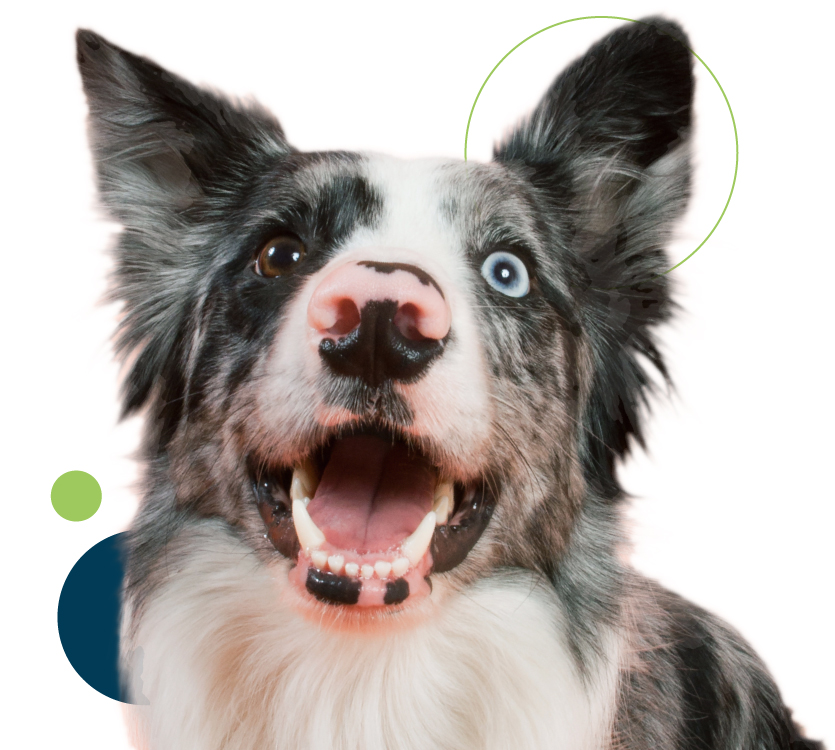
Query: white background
{"x":733,"y":508}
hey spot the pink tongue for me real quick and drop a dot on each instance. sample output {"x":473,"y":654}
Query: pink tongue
{"x":372,"y":494}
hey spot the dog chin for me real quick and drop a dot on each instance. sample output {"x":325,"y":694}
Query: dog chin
{"x":418,"y":610}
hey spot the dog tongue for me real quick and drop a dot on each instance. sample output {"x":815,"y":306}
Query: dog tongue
{"x":372,"y":494}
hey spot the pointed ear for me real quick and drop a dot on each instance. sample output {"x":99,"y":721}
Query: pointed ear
{"x":161,"y":144}
{"x":609,"y":139}
{"x":630,"y":94}
{"x":169,"y":156}
{"x":607,"y":151}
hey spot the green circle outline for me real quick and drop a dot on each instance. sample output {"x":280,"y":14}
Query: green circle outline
{"x":632,"y":20}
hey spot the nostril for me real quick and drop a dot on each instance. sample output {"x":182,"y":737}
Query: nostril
{"x":406,"y":321}
{"x":347,"y":317}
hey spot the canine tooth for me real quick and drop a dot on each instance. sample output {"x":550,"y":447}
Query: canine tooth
{"x":400,"y":566}
{"x":305,"y":481}
{"x":444,"y":491}
{"x":382,"y":568}
{"x":367,"y":571}
{"x":320,"y":559}
{"x":444,"y":487}
{"x":336,"y":563}
{"x":309,"y":534}
{"x":296,"y":488}
{"x":414,"y":546}
{"x":352,"y":569}
{"x":442,"y":507}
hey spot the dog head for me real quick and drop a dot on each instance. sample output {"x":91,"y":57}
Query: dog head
{"x":391,"y":377}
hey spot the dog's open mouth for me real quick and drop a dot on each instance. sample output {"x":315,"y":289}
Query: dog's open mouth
{"x":368,"y":519}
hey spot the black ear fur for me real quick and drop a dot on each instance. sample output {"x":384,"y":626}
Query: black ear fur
{"x":630,"y":95}
{"x":166,"y":153}
{"x":607,"y":151}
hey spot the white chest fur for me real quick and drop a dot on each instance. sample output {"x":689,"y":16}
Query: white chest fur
{"x":224,"y":667}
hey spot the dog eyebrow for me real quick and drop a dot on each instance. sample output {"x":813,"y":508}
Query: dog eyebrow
{"x":423,"y":277}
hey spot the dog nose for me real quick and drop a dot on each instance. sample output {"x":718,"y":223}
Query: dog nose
{"x":379,"y":321}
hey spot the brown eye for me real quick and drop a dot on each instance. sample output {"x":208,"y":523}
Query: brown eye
{"x":279,"y":256}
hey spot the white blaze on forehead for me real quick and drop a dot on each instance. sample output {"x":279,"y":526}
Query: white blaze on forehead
{"x":412,"y":218}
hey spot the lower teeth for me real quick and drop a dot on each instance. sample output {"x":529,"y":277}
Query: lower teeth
{"x":383,"y":569}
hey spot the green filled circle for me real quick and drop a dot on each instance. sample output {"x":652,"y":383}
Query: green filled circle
{"x":632,"y":20}
{"x":76,"y":496}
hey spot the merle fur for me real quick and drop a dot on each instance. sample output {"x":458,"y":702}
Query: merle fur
{"x":200,"y":182}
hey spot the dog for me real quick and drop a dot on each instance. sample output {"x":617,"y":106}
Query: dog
{"x":385,"y":403}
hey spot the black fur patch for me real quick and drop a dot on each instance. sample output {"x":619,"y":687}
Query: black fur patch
{"x":702,"y":683}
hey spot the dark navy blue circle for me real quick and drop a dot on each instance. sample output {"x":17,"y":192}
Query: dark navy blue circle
{"x":88,"y":615}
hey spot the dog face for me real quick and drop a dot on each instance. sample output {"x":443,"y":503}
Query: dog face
{"x":390,"y":378}
{"x":405,"y":366}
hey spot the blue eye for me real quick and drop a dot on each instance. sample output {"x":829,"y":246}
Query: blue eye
{"x":506,"y":274}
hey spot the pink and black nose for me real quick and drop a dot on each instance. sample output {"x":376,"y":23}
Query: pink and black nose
{"x":379,"y":321}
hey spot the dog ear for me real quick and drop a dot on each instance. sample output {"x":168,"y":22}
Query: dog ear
{"x":167,"y":155}
{"x":607,"y":152}
{"x":162,"y":144}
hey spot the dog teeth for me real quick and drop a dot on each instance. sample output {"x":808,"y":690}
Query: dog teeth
{"x":442,"y":507}
{"x":414,"y":546}
{"x":444,"y":487}
{"x":309,"y":534}
{"x":382,"y":569}
{"x":400,"y":566}
{"x":305,"y":481}
{"x":336,"y":564}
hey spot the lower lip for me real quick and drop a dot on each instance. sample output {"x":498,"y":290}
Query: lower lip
{"x":373,"y":591}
